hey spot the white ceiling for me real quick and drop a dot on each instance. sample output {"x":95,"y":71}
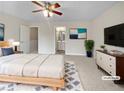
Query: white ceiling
{"x":72,"y":10}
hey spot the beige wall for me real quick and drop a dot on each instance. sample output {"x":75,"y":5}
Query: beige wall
{"x":12,"y":26}
{"x":46,"y":38}
{"x":113,"y":16}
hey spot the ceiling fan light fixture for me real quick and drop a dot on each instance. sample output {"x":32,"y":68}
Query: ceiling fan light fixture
{"x":50,"y":14}
{"x":47,"y":8}
{"x":52,"y":7}
{"x":45,"y":13}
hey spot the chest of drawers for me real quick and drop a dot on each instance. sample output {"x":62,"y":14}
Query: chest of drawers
{"x":112,"y":64}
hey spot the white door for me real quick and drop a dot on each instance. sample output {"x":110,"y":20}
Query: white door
{"x":24,"y":38}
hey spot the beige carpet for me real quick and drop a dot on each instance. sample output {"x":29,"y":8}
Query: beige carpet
{"x":90,"y":76}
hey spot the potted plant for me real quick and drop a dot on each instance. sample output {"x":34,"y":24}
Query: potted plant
{"x":103,"y":48}
{"x":89,"y":44}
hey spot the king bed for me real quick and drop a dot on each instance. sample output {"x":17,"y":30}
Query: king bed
{"x":36,"y":69}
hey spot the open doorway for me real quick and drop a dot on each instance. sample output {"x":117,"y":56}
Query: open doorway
{"x":60,"y":40}
{"x":33,"y":39}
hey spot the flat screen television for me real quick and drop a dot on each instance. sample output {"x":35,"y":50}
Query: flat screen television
{"x":114,"y":35}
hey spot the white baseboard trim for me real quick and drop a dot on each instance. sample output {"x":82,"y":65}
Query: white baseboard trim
{"x":75,"y":54}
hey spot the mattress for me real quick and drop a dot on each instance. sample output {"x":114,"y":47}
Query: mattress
{"x":32,"y":65}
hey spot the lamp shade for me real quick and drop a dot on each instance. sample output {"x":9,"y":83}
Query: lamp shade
{"x":47,"y":13}
{"x":16,"y":43}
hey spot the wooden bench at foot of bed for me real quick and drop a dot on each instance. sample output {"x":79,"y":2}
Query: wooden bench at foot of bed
{"x":51,"y":82}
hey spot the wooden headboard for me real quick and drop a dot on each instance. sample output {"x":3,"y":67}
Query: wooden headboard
{"x":4,"y":44}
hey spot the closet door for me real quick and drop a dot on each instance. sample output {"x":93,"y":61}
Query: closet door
{"x":24,"y":38}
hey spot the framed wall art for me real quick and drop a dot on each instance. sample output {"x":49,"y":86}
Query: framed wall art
{"x":78,"y":33}
{"x":2,"y":32}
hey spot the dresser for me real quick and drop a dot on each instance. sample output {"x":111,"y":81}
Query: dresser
{"x":113,"y":64}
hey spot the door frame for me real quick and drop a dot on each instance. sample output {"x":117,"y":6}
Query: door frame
{"x":55,"y":37}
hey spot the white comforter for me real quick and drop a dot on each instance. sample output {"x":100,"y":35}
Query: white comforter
{"x":33,"y":65}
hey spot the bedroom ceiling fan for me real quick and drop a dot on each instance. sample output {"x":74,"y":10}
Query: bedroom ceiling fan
{"x":47,"y":8}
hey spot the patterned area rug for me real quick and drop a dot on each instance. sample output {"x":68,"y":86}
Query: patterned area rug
{"x":72,"y":82}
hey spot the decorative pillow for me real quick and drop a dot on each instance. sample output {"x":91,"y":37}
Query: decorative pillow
{"x":7,"y":51}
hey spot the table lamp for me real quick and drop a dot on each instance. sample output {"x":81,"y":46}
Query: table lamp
{"x":16,"y":44}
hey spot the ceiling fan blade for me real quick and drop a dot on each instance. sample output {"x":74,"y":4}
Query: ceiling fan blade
{"x":37,"y":3}
{"x":56,"y":5}
{"x":37,"y":11}
{"x":56,"y":12}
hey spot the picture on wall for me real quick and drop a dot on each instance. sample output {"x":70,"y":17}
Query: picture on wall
{"x":78,"y":33}
{"x":1,"y":32}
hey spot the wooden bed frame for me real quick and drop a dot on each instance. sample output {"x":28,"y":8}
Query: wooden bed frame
{"x":52,"y":82}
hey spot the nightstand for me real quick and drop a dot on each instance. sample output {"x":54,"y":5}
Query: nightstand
{"x":18,"y":52}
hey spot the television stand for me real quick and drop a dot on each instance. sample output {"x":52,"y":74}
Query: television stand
{"x":113,"y":64}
